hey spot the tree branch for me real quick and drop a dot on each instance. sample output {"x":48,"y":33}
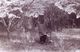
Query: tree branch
{"x":31,"y":2}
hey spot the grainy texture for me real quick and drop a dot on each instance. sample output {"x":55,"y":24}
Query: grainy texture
{"x":39,"y":26}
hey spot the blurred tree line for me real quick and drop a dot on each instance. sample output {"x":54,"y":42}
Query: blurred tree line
{"x":53,"y":19}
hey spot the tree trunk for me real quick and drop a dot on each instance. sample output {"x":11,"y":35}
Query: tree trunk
{"x":8,"y":33}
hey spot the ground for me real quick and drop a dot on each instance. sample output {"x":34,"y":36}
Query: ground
{"x":66,"y":41}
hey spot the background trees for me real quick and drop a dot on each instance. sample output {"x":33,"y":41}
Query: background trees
{"x":17,"y":15}
{"x":56,"y":16}
{"x":24,"y":15}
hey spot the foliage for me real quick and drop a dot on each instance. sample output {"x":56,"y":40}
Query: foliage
{"x":57,"y":17}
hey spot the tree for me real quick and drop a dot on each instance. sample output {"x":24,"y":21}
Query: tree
{"x":73,"y":19}
{"x":10,"y":12}
{"x":56,"y":16}
{"x":21,"y":10}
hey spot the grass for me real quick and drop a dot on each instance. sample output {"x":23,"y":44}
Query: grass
{"x":70,"y":42}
